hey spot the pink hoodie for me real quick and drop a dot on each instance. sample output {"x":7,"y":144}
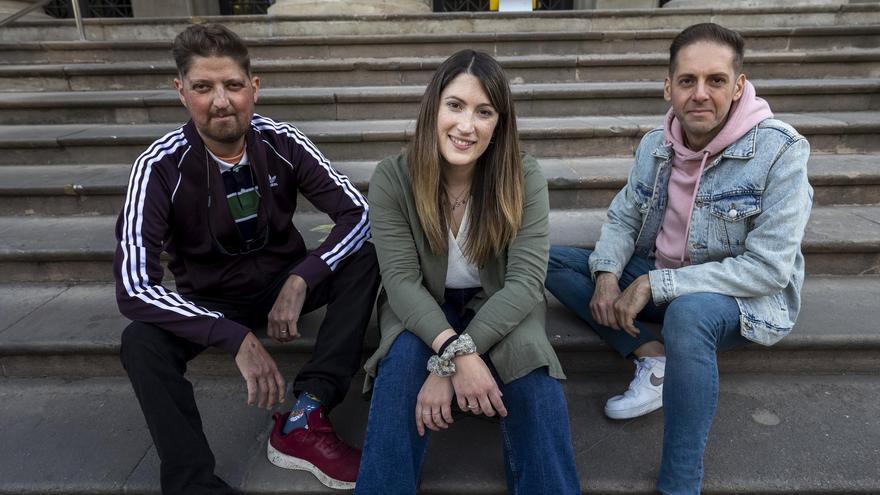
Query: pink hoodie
{"x":687,"y":169}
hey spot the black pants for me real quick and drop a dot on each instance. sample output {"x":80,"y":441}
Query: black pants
{"x":156,"y":360}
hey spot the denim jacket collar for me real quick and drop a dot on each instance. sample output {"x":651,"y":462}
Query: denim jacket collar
{"x":743,"y":149}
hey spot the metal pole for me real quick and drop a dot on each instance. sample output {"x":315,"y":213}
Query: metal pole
{"x":79,"y":22}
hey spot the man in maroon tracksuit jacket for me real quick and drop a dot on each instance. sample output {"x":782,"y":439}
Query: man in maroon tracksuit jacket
{"x":218,"y":195}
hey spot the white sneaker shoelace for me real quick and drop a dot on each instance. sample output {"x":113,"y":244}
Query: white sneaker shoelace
{"x":644,"y":366}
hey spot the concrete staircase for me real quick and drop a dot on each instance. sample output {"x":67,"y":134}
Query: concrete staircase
{"x":799,"y":418}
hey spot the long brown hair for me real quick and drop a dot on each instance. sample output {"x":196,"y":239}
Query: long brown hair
{"x":497,"y":185}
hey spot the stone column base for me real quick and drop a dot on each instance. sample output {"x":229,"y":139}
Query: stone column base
{"x":349,"y":7}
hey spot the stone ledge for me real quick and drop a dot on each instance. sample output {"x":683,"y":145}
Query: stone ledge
{"x":845,"y":231}
{"x":434,"y":37}
{"x":562,"y":173}
{"x":69,"y":319}
{"x":531,"y":129}
{"x":411,"y":63}
{"x":413,"y":94}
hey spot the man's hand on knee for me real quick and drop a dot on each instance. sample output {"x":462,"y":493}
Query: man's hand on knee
{"x":602,"y":304}
{"x":631,"y":303}
{"x":265,"y":384}
{"x":285,"y":312}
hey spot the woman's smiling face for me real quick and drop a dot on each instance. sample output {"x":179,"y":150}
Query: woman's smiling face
{"x":465,"y":122}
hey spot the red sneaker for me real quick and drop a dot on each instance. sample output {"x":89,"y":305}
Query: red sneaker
{"x":316,"y":449}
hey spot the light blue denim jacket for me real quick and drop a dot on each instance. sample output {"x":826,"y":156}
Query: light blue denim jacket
{"x":748,"y":221}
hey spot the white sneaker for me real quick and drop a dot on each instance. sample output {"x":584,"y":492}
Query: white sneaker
{"x":645,"y":392}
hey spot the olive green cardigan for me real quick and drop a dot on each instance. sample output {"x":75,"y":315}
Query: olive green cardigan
{"x":510,"y":310}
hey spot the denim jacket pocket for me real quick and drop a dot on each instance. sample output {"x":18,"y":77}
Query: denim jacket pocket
{"x":732,"y":213}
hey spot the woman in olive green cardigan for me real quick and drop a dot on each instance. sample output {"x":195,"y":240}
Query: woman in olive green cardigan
{"x":460,"y":224}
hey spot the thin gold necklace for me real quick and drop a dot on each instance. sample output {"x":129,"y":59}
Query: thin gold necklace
{"x":461,"y":200}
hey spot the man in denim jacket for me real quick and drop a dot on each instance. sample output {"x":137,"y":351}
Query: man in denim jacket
{"x":703,"y":239}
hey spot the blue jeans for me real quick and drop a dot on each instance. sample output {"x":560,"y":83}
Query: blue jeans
{"x":694,"y":328}
{"x":568,"y":278}
{"x":536,"y":439}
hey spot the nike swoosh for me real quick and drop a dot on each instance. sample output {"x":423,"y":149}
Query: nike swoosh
{"x":656,"y":381}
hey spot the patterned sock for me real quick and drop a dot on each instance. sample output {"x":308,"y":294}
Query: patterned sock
{"x":305,"y":404}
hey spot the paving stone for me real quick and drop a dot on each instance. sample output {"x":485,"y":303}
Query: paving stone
{"x":69,"y":435}
{"x":758,"y":442}
{"x":236,"y":432}
{"x":771,"y":434}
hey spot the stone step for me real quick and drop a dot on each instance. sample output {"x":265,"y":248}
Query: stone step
{"x":395,"y":102}
{"x":74,"y":330}
{"x":828,"y":132}
{"x":840,"y":240}
{"x":92,"y":428}
{"x":260,"y":26}
{"x":587,"y":182}
{"x":397,"y":71}
{"x":438,"y":44}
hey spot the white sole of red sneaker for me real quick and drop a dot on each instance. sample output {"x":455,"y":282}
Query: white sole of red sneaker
{"x":289,"y":462}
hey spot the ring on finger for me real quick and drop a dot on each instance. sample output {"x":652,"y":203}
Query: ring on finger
{"x":473,"y":406}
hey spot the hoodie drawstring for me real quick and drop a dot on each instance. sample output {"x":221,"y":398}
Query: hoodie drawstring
{"x":687,"y":229}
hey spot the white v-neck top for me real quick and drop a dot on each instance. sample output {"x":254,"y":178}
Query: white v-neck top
{"x":460,"y":272}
